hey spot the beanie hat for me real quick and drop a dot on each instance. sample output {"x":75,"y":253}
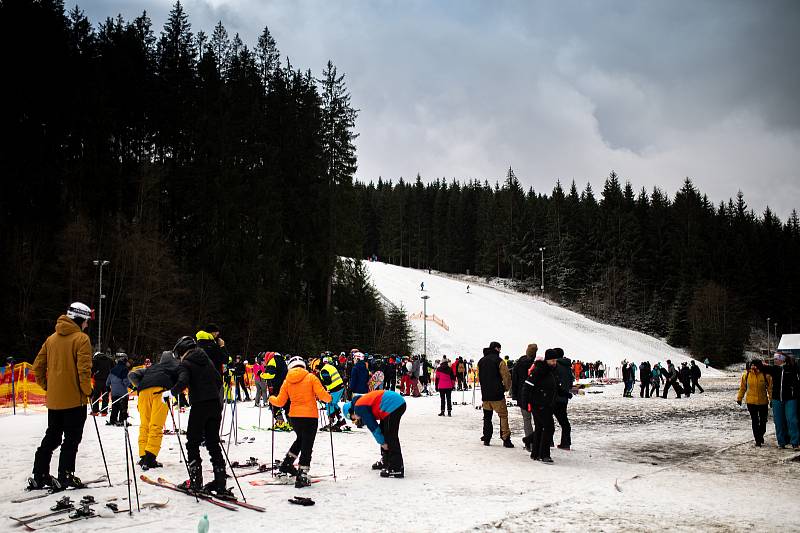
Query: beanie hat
{"x":531,"y":350}
{"x":494,"y":345}
{"x":550,"y":353}
{"x":348,"y":407}
{"x":211,"y":328}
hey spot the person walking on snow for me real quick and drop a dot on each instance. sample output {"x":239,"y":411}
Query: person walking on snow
{"x":303,"y":389}
{"x":518,"y":377}
{"x":685,"y":377}
{"x":784,"y":400}
{"x":63,"y":368}
{"x":495,"y":380}
{"x":644,"y":379}
{"x":381,"y":411}
{"x":564,"y":376}
{"x":655,"y":381}
{"x":151,"y":383}
{"x":671,"y":380}
{"x":444,"y":386}
{"x":199,"y":374}
{"x":695,"y":373}
{"x":542,"y":386}
{"x":756,"y":388}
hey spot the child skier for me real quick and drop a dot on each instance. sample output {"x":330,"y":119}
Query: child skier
{"x":197,"y":372}
{"x":303,"y":389}
{"x":381,"y":411}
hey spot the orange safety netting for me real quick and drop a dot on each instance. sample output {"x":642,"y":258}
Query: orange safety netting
{"x":24,"y":388}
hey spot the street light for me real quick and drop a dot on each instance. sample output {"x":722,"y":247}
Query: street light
{"x":542,"y":249}
{"x":767,"y":335}
{"x":100,"y":263}
{"x":775,"y":330}
{"x":425,"y":325}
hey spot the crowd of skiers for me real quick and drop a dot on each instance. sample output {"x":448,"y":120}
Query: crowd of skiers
{"x":684,"y":380}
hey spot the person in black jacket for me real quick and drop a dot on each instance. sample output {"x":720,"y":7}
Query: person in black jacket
{"x":518,"y":377}
{"x":644,"y":379}
{"x":239,"y":370}
{"x":542,"y":386}
{"x":685,"y":377}
{"x":785,"y":395}
{"x":390,"y":374}
{"x":671,"y":380}
{"x":495,"y":380}
{"x":565,"y":377}
{"x":101,"y":367}
{"x":695,"y":374}
{"x":209,"y":341}
{"x":197,"y":372}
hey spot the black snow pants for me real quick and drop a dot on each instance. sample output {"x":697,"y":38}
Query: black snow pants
{"x":390,"y":427}
{"x":560,"y":411}
{"x":306,"y":430}
{"x":758,"y":415}
{"x":543,"y":429}
{"x":204,"y":421}
{"x":60,"y":422}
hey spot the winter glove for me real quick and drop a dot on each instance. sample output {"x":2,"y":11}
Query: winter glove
{"x":166,"y":395}
{"x":739,"y":402}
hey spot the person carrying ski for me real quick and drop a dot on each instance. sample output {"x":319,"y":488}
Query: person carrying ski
{"x":197,"y":372}
{"x":118,"y":383}
{"x":303,"y":389}
{"x":334,"y":384}
{"x":381,"y":411}
{"x":151,"y":383}
{"x":63,"y":368}
{"x":495,"y":380}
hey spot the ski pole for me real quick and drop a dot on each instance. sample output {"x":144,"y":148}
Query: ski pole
{"x":133,"y":469}
{"x":128,"y":475}
{"x":178,"y":435}
{"x":101,"y":449}
{"x":272,"y":457}
{"x":330,"y":431}
{"x":236,"y":479}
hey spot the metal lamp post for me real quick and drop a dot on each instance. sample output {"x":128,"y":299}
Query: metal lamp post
{"x":542,"y":249}
{"x":100,"y":263}
{"x":775,"y":331}
{"x":425,"y":325}
{"x":767,"y":335}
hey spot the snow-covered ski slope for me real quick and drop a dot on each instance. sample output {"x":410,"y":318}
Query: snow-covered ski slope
{"x":513,"y":319}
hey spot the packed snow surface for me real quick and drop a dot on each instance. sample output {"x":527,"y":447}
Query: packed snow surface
{"x":515,"y":320}
{"x":637,"y":464}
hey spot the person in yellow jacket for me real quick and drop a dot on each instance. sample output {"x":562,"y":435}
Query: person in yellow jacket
{"x":333,"y":383}
{"x":755,"y":388}
{"x":303,"y":389}
{"x":63,"y":367}
{"x":151,"y":382}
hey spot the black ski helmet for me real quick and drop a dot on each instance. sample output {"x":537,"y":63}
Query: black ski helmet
{"x":183,"y":345}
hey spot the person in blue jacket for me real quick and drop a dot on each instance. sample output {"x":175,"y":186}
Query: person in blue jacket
{"x":359,"y":376}
{"x":118,"y":382}
{"x":381,"y":411}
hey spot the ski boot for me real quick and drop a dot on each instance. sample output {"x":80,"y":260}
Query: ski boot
{"x":287,"y":466}
{"x":88,"y":499}
{"x":302,"y":478}
{"x":380,"y":465}
{"x":150,"y":461}
{"x":83,"y":511}
{"x":217,"y":487}
{"x":69,"y":479}
{"x":393,"y":472}
{"x":195,"y":481}
{"x":63,"y":503}
{"x":42,"y":482}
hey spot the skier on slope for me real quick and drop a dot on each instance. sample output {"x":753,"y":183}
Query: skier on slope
{"x":151,"y":383}
{"x":198,"y":373}
{"x":303,"y":389}
{"x":63,"y":368}
{"x":381,"y":411}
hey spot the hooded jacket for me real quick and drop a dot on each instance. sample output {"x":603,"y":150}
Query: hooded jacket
{"x":197,"y":372}
{"x":63,"y":366}
{"x":359,"y":378}
{"x":163,"y":375}
{"x":493,"y":375}
{"x":518,"y":377}
{"x":445,"y":379}
{"x":218,"y":356}
{"x":565,"y":378}
{"x":101,"y":366}
{"x":542,"y":386}
{"x":118,"y":380}
{"x":303,"y":389}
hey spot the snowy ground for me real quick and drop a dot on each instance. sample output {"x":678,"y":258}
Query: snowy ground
{"x":636,"y":464}
{"x":490,"y":313}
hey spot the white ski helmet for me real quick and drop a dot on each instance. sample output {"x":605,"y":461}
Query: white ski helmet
{"x":358,"y":356}
{"x":295,"y":362}
{"x":80,"y":311}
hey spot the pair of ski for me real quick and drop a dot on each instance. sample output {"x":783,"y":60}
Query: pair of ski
{"x":283,"y":480}
{"x":32,"y":522}
{"x":44,"y":493}
{"x":226,"y":503}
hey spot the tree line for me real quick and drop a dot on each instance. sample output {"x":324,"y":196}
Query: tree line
{"x":701,"y":275}
{"x":214,"y":176}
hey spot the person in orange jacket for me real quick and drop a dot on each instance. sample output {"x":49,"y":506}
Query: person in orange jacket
{"x":302,"y":389}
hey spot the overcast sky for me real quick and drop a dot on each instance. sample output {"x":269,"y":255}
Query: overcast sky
{"x":655,"y":90}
